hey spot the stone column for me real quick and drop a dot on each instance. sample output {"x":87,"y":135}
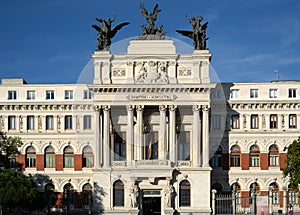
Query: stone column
{"x":172,"y":132}
{"x":162,"y":134}
{"x":284,"y":207}
{"x":97,"y":138}
{"x":18,"y":123}
{"x":196,"y":156}
{"x":129,"y":134}
{"x":106,"y":137}
{"x":139,"y":135}
{"x":205,"y":136}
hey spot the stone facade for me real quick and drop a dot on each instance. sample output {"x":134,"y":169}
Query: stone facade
{"x":136,"y":140}
{"x":261,"y":119}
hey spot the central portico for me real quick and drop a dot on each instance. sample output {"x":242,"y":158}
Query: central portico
{"x":152,"y":120}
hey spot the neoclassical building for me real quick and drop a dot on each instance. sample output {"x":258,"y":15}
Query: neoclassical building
{"x":134,"y":141}
{"x":261,"y":119}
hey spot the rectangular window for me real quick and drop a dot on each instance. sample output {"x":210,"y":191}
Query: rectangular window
{"x":87,"y":160}
{"x":273,"y":121}
{"x":69,"y":94}
{"x":87,"y":94}
{"x":50,"y":160}
{"x":151,"y":145}
{"x":30,"y":122}
{"x":253,"y":93}
{"x":31,"y":160}
{"x":275,"y":198}
{"x":12,"y":122}
{"x":68,"y":161}
{"x":234,"y":94}
{"x":254,"y":121}
{"x":292,"y":197}
{"x":235,"y":160}
{"x":120,"y":146}
{"x":216,"y":161}
{"x":273,"y":160}
{"x":254,"y":160}
{"x":12,"y":95}
{"x":49,"y":94}
{"x":292,"y":121}
{"x":49,"y":122}
{"x":235,"y":121}
{"x":216,"y":94}
{"x":216,"y":121}
{"x":68,"y":122}
{"x":292,"y":93}
{"x":87,"y":122}
{"x":184,"y":145}
{"x":30,"y":95}
{"x":273,"y":93}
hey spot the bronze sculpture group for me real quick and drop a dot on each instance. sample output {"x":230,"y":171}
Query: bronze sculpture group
{"x":105,"y":33}
{"x":150,"y":32}
{"x":198,"y":34}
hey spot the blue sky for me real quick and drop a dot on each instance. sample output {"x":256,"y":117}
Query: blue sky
{"x":52,"y":41}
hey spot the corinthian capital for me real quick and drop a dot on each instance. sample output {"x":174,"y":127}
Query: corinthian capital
{"x":162,"y":108}
{"x":196,"y":108}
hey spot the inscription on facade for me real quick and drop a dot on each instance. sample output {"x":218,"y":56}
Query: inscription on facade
{"x":152,"y":97}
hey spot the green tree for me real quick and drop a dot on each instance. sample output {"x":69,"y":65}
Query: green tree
{"x":17,"y":190}
{"x":8,"y":149}
{"x":292,"y":169}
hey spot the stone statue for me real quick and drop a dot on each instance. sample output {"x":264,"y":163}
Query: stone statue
{"x":198,"y":34}
{"x":151,"y":32}
{"x":134,"y":193}
{"x":105,"y":33}
{"x":169,"y":190}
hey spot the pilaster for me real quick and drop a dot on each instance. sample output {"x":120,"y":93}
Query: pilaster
{"x":162,"y":134}
{"x":172,"y":132}
{"x":106,"y":142}
{"x":129,"y":134}
{"x":205,"y":136}
{"x":196,"y":136}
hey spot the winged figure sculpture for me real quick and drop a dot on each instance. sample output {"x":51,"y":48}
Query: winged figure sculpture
{"x":198,"y":34}
{"x":106,"y":33}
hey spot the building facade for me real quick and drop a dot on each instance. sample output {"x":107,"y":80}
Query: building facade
{"x":136,"y":141}
{"x":261,"y":120}
{"x":152,"y":134}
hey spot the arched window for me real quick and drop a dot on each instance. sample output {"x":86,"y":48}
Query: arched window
{"x":87,"y":191}
{"x":49,"y":157}
{"x":218,"y":187}
{"x":118,"y":194}
{"x":50,"y":196}
{"x":216,"y":160}
{"x":237,"y":189}
{"x":184,"y":193}
{"x":68,"y":198}
{"x":87,"y":157}
{"x":254,"y":156}
{"x":30,"y":157}
{"x":273,"y":155}
{"x":275,"y":193}
{"x":254,"y":188}
{"x":235,"y":156}
{"x":68,"y":157}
